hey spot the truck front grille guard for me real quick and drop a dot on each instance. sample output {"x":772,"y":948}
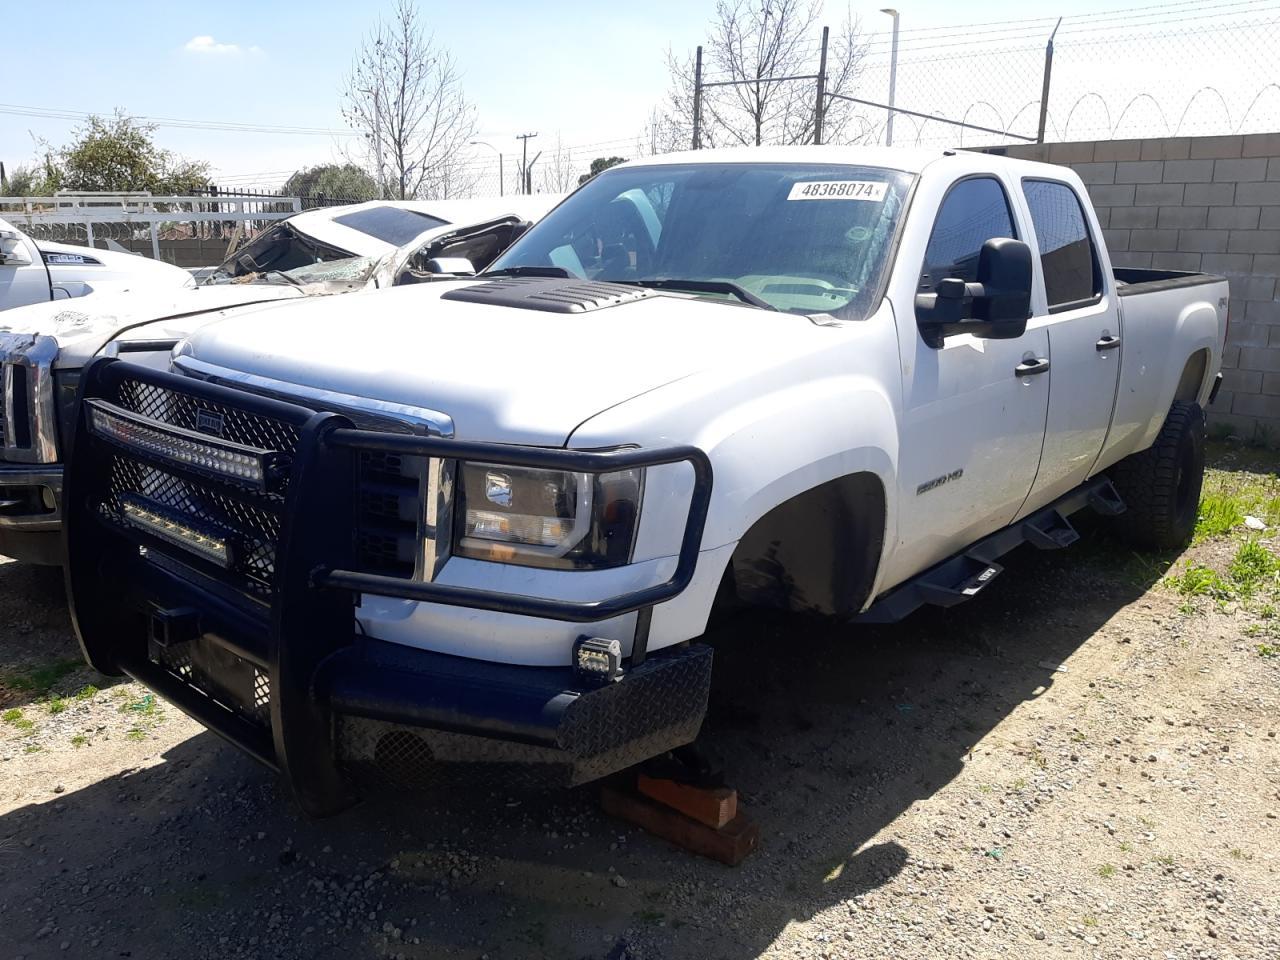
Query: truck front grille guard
{"x":263,"y":611}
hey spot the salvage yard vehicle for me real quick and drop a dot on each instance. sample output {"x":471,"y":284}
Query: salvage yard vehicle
{"x":318,"y":253}
{"x":485,"y":522}
{"x":38,"y":271}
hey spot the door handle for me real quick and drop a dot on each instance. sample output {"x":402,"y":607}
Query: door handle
{"x":1029,"y":368}
{"x":1107,"y":343}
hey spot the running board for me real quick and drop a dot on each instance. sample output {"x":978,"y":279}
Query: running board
{"x":965,"y":575}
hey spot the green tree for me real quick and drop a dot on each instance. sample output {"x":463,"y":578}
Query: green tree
{"x":26,"y":181}
{"x":599,"y":164}
{"x":343,"y":181}
{"x":118,"y":154}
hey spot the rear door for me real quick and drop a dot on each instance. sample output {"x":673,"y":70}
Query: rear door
{"x":1074,"y":305}
{"x":973,"y":416}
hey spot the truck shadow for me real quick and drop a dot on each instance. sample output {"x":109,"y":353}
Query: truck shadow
{"x":830,"y":733}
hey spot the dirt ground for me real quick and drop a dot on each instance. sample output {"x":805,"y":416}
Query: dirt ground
{"x":1081,"y":763}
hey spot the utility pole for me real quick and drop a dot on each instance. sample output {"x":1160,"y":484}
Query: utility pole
{"x":524,"y":139}
{"x":820,"y":108}
{"x":697,"y":102}
{"x":1044,"y":90}
{"x":893,"y":77}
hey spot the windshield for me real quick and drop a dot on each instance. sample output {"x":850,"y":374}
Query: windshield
{"x":802,"y":238}
{"x":283,"y":254}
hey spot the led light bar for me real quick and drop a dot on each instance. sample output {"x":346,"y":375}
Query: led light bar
{"x":235,"y":462}
{"x":149,"y":518}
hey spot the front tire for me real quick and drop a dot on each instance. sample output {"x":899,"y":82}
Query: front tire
{"x":1161,"y":485}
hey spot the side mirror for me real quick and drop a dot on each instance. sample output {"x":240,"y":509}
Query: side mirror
{"x":455,"y":266}
{"x":996,"y":306}
{"x":13,"y":252}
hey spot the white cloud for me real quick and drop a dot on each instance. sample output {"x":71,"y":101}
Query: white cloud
{"x":206,"y":45}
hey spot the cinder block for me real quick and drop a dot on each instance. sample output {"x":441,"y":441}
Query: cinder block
{"x":1117,"y":241}
{"x":1176,"y":261}
{"x":1110,"y":195}
{"x":1211,"y":194}
{"x":1230,"y":357}
{"x":1245,"y":335}
{"x":1154,"y":240}
{"x":1096,"y":172}
{"x":1271,"y":384}
{"x":1273,"y":168}
{"x":1203,"y":241}
{"x":1166,"y":148}
{"x":1139,"y":217}
{"x":1265,"y":194}
{"x":1269,"y":218}
{"x":1241,"y":381}
{"x":1253,"y":288}
{"x":1140,"y":261}
{"x":1254,"y":241}
{"x":1227,"y":263}
{"x":1213,"y":148}
{"x":1118,"y":150}
{"x":1243,"y":428}
{"x":1239,"y":171}
{"x":1262,"y":311}
{"x":1256,"y":404}
{"x":1235,"y":218}
{"x":1068,"y":153}
{"x":1266,"y":359}
{"x":1183,"y":218}
{"x":1260,"y":145}
{"x":1104,"y":216}
{"x":1140,"y":171}
{"x":1188,"y":171}
{"x":1158,"y":195}
{"x":1275,"y":337}
{"x":1266,"y":265}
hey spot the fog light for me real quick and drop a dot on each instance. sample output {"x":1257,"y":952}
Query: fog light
{"x":597,"y":659}
{"x":146,"y":517}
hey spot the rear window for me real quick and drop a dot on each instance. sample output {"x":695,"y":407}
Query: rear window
{"x":1072,"y":276}
{"x":393,"y":225}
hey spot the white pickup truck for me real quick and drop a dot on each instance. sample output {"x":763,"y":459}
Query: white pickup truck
{"x":34,"y":271}
{"x":487,"y":523}
{"x":317,"y":253}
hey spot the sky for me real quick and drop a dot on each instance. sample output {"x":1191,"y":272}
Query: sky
{"x":586,"y":73}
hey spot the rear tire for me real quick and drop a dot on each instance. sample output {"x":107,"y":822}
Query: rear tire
{"x":1161,"y":485}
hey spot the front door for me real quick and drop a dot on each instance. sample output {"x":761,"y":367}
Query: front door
{"x":973,"y":409}
{"x":23,"y":277}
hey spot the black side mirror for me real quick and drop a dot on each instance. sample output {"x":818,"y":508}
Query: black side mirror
{"x":995,"y":307}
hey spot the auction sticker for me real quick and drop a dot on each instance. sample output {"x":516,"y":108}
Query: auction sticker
{"x":838,"y":190}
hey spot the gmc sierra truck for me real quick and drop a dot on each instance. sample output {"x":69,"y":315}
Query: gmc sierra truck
{"x":313,"y":254}
{"x":37,"y":271}
{"x":485,"y":521}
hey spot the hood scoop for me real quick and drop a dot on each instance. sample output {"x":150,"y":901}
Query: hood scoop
{"x":551,"y":295}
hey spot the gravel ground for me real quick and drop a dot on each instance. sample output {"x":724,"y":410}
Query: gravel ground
{"x":1081,"y":763}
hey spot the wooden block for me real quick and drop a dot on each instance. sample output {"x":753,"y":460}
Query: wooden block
{"x":730,"y":844}
{"x":715,"y":807}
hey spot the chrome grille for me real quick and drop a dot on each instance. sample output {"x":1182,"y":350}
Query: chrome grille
{"x":28,"y":428}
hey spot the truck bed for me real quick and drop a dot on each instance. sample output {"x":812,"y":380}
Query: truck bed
{"x":1131,"y":281}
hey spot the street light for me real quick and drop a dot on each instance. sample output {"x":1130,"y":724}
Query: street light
{"x":893,"y":76}
{"x":501,"y":178}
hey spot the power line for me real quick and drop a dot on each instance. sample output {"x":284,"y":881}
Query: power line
{"x":19,"y":110}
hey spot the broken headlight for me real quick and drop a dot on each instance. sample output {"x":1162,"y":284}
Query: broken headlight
{"x":547,"y":518}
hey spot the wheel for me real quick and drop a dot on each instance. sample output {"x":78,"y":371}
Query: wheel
{"x":1161,"y":485}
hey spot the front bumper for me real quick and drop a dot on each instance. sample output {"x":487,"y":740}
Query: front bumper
{"x":31,"y":512}
{"x":263,"y":647}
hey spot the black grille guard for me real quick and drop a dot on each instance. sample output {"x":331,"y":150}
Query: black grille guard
{"x":135,"y":595}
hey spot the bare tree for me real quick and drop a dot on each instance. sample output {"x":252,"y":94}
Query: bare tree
{"x":404,"y":93}
{"x":558,"y":172}
{"x":756,"y":43}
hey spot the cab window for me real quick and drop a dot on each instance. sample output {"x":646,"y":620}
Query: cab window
{"x":974,"y":211}
{"x":1068,"y":259}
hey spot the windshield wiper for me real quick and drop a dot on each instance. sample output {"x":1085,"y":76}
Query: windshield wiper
{"x":529,"y":270}
{"x":284,"y":276}
{"x":703,"y":286}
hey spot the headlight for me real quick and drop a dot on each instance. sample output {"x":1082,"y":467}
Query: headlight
{"x":547,"y":518}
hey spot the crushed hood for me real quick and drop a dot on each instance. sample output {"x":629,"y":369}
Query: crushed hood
{"x":500,"y":373}
{"x":83,"y":326}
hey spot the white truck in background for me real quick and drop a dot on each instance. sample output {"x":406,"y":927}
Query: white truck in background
{"x":487,"y":523}
{"x":332,"y":250}
{"x":38,"y":271}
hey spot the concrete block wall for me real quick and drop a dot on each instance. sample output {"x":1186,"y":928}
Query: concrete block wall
{"x":1199,"y":203}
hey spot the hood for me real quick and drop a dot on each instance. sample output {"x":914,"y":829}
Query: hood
{"x":84,"y":326}
{"x":500,"y":373}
